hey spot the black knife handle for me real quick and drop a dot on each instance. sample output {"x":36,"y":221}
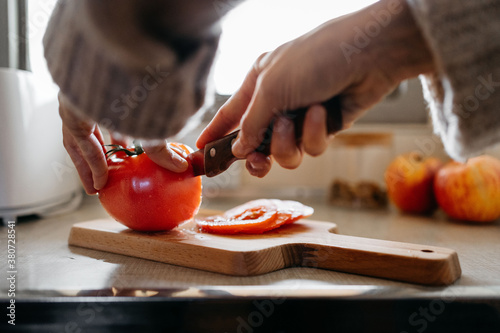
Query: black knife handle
{"x":333,"y":123}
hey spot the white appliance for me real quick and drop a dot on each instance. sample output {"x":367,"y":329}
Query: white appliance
{"x":36,"y":174}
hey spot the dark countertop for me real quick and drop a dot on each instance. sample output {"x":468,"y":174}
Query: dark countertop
{"x":70,"y":287}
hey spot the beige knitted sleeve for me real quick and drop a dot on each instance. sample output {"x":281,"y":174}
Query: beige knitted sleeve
{"x":464,"y":94}
{"x":136,"y":67}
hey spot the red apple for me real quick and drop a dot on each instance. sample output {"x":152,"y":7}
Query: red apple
{"x":409,"y":179}
{"x":470,"y":191}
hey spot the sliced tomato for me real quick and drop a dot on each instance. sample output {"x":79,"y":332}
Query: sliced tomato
{"x":255,"y":217}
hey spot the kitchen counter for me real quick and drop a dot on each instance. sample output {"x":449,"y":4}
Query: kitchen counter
{"x":71,"y":288}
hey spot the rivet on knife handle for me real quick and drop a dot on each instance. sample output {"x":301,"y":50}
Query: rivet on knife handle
{"x":218,"y":155}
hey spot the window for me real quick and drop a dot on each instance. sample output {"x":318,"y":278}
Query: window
{"x":254,"y":27}
{"x":258,"y":26}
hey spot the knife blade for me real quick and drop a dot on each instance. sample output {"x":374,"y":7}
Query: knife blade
{"x":216,"y":157}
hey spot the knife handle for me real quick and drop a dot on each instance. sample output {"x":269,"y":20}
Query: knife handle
{"x":218,"y":154}
{"x":333,"y":123}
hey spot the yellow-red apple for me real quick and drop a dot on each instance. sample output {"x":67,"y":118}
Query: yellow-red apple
{"x":470,"y":191}
{"x":409,"y":179}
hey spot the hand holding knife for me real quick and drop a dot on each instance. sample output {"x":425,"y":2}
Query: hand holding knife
{"x":216,"y":156}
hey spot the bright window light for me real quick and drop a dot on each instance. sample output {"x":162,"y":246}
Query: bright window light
{"x":258,"y":26}
{"x":252,"y":28}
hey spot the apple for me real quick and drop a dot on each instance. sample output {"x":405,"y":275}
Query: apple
{"x":470,"y":191}
{"x":409,"y":179}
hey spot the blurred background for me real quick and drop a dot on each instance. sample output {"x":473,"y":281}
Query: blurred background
{"x":399,"y":124}
{"x":37,"y":176}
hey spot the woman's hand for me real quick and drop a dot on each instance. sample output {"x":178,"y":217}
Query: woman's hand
{"x":84,"y":142}
{"x":311,"y":69}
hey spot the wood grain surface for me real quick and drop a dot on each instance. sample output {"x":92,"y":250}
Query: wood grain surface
{"x":305,"y":243}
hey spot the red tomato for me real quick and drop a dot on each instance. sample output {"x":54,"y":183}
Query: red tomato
{"x":255,"y":217}
{"x":147,"y":197}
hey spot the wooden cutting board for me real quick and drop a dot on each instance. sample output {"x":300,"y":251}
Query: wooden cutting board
{"x":305,"y":243}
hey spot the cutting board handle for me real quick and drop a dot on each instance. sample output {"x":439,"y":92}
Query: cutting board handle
{"x":304,"y":243}
{"x":406,"y":262}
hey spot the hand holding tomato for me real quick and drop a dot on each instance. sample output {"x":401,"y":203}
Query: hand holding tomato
{"x":147,"y":197}
{"x":83,"y":141}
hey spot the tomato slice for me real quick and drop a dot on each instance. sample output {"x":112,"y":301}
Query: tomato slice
{"x":255,"y":217}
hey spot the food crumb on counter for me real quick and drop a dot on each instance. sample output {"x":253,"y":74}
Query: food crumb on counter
{"x":363,"y":194}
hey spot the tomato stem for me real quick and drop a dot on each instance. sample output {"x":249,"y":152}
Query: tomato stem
{"x":138,"y":147}
{"x":117,"y":148}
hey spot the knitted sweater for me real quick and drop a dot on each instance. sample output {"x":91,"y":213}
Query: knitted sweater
{"x":136,"y":67}
{"x":464,"y":94}
{"x":140,"y":67}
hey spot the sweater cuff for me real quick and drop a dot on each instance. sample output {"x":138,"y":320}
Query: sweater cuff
{"x":126,"y":89}
{"x":464,"y":93}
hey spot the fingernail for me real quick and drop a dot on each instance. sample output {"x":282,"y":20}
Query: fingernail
{"x":91,"y":191}
{"x":99,"y":184}
{"x":180,"y":163}
{"x":282,"y":127}
{"x":257,"y":170}
{"x":253,"y":169}
{"x":179,"y":151}
{"x":317,"y":115}
{"x":255,"y":166}
{"x":237,"y":148}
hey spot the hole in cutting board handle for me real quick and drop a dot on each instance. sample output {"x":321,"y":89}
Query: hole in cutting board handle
{"x":427,"y":251}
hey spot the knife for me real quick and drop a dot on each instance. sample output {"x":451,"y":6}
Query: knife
{"x":216,"y":156}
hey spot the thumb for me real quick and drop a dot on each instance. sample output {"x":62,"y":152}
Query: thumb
{"x":163,"y":155}
{"x":255,"y":122}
